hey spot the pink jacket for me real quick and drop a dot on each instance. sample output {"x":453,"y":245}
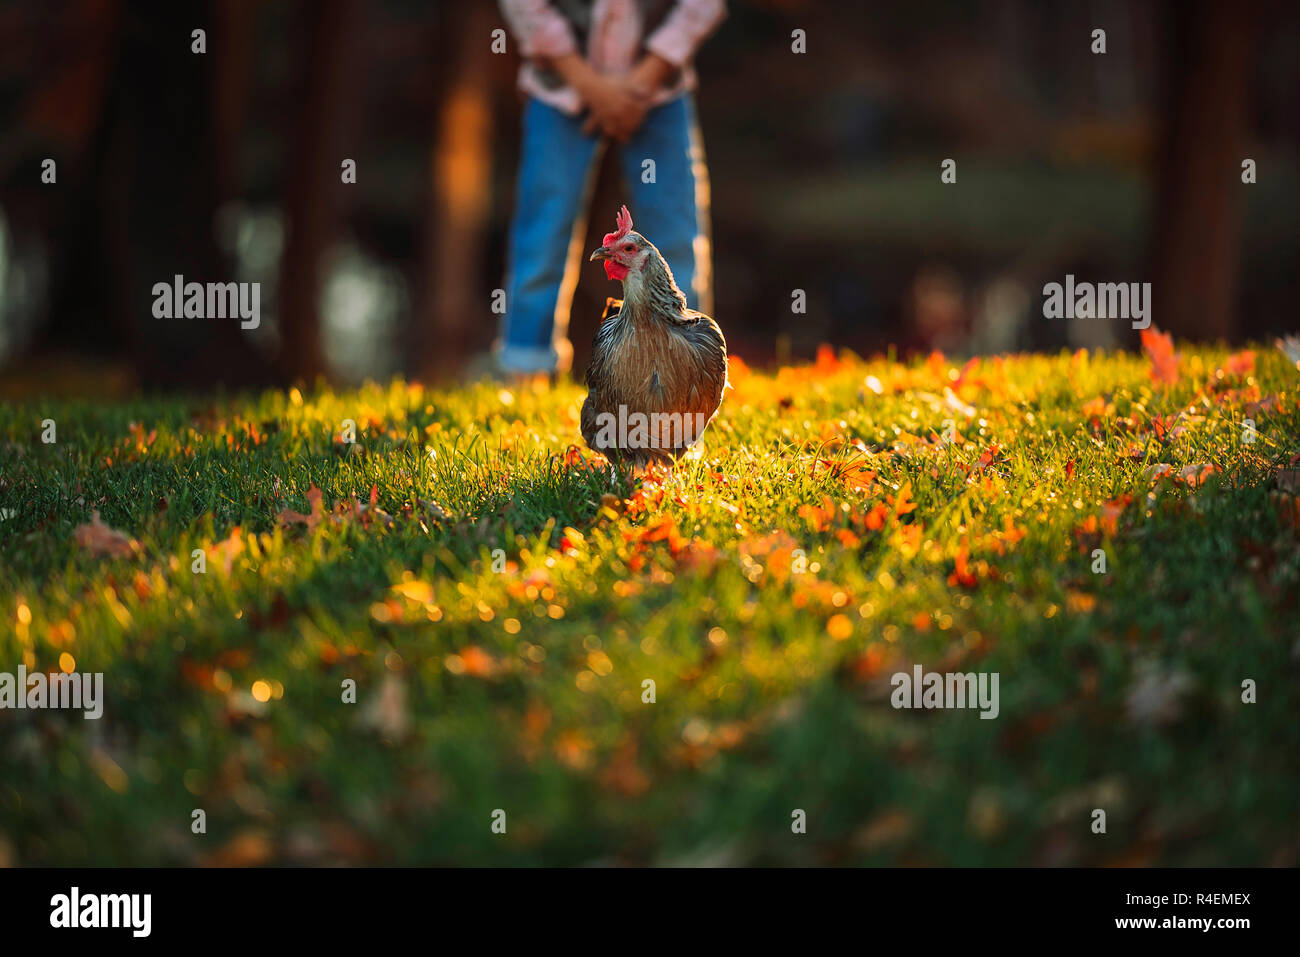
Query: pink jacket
{"x":614,"y":39}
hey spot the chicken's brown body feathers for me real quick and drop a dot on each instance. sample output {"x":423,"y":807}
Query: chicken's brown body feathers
{"x":654,"y":356}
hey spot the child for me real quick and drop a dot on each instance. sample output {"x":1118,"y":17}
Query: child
{"x":595,"y":71}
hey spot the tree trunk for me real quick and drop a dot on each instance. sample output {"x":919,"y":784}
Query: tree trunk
{"x":314,"y":199}
{"x":142,"y":211}
{"x":452,"y":307}
{"x":1198,"y":215}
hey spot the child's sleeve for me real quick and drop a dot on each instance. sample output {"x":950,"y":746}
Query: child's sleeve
{"x":685,"y":28}
{"x":539,"y":28}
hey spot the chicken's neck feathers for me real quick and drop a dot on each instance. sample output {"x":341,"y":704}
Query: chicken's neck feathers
{"x":651,"y":293}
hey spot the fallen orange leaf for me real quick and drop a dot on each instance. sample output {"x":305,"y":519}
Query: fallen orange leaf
{"x":1159,"y":348}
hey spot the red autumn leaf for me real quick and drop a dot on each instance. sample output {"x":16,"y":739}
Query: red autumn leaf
{"x":937,"y":366}
{"x":664,"y":530}
{"x":818,"y":517}
{"x":961,"y":575}
{"x":1194,"y":475}
{"x":1159,"y":348}
{"x":478,"y":663}
{"x":1095,"y":408}
{"x":988,"y":456}
{"x":1240,"y":363}
{"x":855,"y":474}
{"x":875,"y":519}
{"x":827,"y":361}
{"x":903,"y":503}
{"x":1111,"y":511}
{"x":737,"y":368}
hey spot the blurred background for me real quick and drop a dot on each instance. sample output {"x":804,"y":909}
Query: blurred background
{"x":1119,"y":167}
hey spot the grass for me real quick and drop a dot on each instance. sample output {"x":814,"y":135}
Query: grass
{"x":500,"y":598}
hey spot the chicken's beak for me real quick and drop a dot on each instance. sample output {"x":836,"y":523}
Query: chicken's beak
{"x":601,"y":253}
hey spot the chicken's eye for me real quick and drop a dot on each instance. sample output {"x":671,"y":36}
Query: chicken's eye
{"x":629,"y":247}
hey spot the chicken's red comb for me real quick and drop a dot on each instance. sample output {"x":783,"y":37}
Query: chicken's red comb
{"x":624,"y":223}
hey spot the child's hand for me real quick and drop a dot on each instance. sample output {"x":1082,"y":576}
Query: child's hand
{"x":615,"y":106}
{"x":619,"y":108}
{"x":650,"y":74}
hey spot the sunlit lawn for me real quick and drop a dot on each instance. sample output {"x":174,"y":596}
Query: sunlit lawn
{"x":500,"y":601}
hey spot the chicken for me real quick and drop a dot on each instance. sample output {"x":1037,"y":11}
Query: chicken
{"x":658,"y":369}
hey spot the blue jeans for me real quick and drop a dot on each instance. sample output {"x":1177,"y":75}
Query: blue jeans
{"x":557,"y":172}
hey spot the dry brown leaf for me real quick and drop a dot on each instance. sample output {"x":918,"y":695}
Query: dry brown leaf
{"x":289,"y":517}
{"x":433,"y":510}
{"x":99,"y":539}
{"x":1288,"y":480}
{"x":890,"y":826}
